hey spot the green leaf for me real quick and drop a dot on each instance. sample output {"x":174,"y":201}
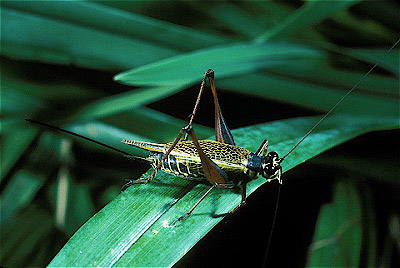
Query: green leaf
{"x":33,"y":36}
{"x":321,"y":74}
{"x":14,"y":101}
{"x":18,"y":244}
{"x":126,"y":101}
{"x":154,"y":125}
{"x":390,"y":63}
{"x":273,"y":11}
{"x":27,"y":180}
{"x":339,"y":232}
{"x":304,"y":94}
{"x":83,"y":33}
{"x":239,"y":21}
{"x":19,"y":193}
{"x":15,"y":140}
{"x":365,"y":30}
{"x":108,"y":19}
{"x":106,"y":134}
{"x":73,"y":205}
{"x":136,"y":228}
{"x":311,"y":13}
{"x":37,"y":91}
{"x":225,"y":60}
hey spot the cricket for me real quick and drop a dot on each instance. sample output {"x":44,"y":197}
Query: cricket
{"x":219,"y":163}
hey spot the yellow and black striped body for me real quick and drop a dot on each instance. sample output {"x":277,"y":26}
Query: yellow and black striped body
{"x":184,"y":160}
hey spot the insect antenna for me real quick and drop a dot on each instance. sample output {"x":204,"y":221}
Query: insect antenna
{"x":86,"y":138}
{"x":278,"y":196}
{"x":340,"y":101}
{"x":305,"y":136}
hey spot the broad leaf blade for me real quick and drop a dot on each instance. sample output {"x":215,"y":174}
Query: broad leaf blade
{"x":136,"y":228}
{"x":104,"y":133}
{"x":81,"y":45}
{"x":320,"y":73}
{"x":109,"y":19}
{"x":127,"y":101}
{"x":116,"y":227}
{"x":304,"y":94}
{"x":228,"y":60}
{"x":154,"y":125}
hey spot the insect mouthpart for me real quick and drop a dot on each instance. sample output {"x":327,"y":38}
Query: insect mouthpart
{"x":268,"y":166}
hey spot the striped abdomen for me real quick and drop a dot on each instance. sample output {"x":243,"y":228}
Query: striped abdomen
{"x":185,"y":162}
{"x":180,"y":167}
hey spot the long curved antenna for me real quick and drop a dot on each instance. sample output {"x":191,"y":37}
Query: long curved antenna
{"x":272,"y":227}
{"x":85,"y":138}
{"x":340,"y":101}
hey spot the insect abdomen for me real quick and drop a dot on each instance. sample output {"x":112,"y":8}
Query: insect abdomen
{"x":174,"y":165}
{"x":184,"y":160}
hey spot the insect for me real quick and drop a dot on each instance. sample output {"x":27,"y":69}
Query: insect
{"x":220,"y":163}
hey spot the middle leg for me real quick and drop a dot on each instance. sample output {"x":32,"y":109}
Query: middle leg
{"x":217,"y":185}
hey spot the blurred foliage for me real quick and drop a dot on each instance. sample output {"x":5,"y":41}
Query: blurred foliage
{"x":273,"y":60}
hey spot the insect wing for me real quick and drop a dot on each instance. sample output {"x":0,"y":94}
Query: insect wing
{"x":222,"y":132}
{"x":212,"y":171}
